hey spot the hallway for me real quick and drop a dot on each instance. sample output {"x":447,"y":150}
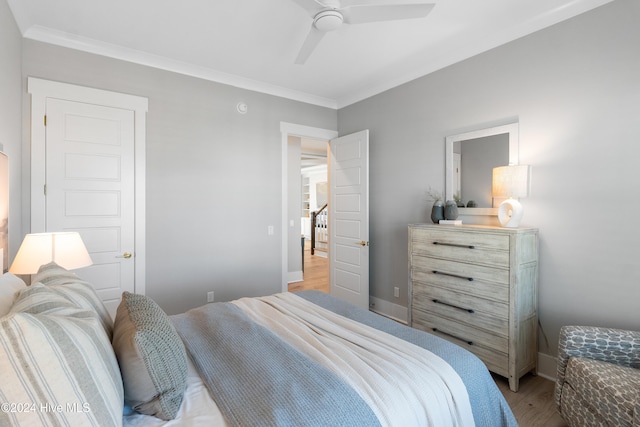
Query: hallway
{"x":316,"y":273}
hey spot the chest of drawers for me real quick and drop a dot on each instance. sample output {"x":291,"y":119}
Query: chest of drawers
{"x":477,"y":287}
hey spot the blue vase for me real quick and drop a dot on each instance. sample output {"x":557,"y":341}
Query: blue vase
{"x":451,"y":210}
{"x":437,"y":212}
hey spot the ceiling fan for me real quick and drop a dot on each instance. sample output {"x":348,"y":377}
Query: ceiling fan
{"x":329,"y":15}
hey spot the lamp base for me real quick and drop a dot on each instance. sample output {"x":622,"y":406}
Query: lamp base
{"x":510,"y":213}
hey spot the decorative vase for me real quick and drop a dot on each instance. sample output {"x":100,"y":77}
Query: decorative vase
{"x":451,"y":210}
{"x":437,"y":212}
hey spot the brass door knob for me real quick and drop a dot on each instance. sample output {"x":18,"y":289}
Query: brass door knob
{"x":125,"y":255}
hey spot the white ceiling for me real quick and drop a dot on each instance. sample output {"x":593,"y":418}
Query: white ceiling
{"x":253,"y":43}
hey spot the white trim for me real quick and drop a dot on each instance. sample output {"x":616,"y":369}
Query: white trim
{"x":397,"y":312}
{"x":434,"y":61}
{"x":286,"y":130}
{"x":547,"y":366}
{"x":40,"y":90}
{"x":295,"y":276}
{"x":84,"y":44}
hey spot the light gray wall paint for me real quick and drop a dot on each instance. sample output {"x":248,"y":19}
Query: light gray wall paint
{"x":574,"y":88}
{"x":10,"y":117}
{"x":213,"y":175}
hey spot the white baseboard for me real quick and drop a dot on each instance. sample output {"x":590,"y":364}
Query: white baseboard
{"x":294,"y":276}
{"x":547,"y":366}
{"x":385,"y":308}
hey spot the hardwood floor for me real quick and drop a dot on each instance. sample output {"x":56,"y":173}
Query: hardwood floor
{"x":316,"y":273}
{"x":532,"y":405}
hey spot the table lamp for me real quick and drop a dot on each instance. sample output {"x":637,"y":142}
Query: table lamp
{"x":64,"y":248}
{"x":511,"y":182}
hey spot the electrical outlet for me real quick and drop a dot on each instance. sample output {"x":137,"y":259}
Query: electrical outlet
{"x":396,"y":292}
{"x":210,"y":296}
{"x":270,"y":230}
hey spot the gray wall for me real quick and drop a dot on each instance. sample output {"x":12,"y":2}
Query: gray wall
{"x":575,"y":90}
{"x":10,"y":117}
{"x":213,"y":175}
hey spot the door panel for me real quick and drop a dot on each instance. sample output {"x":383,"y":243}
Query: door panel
{"x":349,"y":218}
{"x":90,"y":188}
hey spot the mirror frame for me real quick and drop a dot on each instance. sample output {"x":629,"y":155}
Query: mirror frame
{"x":512,"y":129}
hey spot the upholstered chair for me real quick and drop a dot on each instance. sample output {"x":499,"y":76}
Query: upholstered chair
{"x":598,"y":376}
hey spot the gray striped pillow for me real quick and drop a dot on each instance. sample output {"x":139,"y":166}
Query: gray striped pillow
{"x":76,"y":290}
{"x":57,"y":366}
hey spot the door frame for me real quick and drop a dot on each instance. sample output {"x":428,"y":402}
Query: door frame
{"x":40,"y":90}
{"x":286,"y":130}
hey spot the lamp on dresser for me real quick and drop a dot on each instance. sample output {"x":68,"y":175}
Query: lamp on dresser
{"x":64,"y":248}
{"x":512,"y":182}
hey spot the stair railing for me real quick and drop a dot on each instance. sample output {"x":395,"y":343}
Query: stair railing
{"x":315,"y":225}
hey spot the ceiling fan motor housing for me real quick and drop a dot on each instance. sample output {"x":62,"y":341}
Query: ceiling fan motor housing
{"x":328,"y":20}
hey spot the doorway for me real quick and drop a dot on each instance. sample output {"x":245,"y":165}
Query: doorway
{"x":291,"y":235}
{"x":314,"y":218}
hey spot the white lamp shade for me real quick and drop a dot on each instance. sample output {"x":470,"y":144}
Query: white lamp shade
{"x":65,"y":248}
{"x":511,"y":181}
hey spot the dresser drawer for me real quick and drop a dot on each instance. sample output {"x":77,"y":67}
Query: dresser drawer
{"x":495,"y":358}
{"x":486,"y":249}
{"x":489,"y":315}
{"x":476,"y":288}
{"x":461,"y":271}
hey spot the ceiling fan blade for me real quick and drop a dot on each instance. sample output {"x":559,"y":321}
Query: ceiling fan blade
{"x":311,"y":6}
{"x":309,"y":45}
{"x":364,"y":14}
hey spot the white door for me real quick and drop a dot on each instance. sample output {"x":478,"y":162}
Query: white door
{"x":90,"y":189}
{"x":349,"y":218}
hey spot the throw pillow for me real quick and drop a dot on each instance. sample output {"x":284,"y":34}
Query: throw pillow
{"x":152,"y":357}
{"x":58,"y":369}
{"x":76,"y":290}
{"x":10,"y":285}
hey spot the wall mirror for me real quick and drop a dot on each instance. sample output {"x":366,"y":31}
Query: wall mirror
{"x":469,"y":161}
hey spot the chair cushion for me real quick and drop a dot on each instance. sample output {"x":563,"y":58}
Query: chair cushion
{"x":611,"y":390}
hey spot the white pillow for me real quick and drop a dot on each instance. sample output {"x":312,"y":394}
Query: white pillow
{"x":10,"y":285}
{"x":59,"y":355}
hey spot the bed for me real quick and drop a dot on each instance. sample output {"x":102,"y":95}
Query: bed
{"x":304,"y":359}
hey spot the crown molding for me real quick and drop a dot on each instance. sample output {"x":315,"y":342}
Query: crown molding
{"x":59,"y":38}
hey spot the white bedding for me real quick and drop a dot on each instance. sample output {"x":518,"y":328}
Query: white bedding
{"x":393,"y":376}
{"x":405,"y":385}
{"x":197,"y":409}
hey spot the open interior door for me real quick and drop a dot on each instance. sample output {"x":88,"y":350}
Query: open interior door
{"x":349,"y":218}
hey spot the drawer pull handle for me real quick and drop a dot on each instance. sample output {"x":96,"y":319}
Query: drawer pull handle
{"x":453,"y":275}
{"x":468,"y":310}
{"x":455,"y":245}
{"x":452,"y":336}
